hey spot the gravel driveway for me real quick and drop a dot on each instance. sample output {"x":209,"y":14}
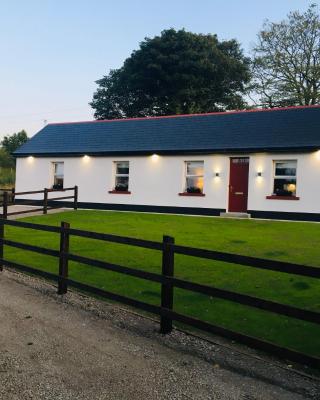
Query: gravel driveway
{"x":79,"y":348}
{"x":22,"y":208}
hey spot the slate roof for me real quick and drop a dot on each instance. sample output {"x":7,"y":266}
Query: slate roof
{"x":287,"y":129}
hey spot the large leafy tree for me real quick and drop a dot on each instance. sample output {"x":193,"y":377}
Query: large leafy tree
{"x":177,"y":72}
{"x":10,"y":143}
{"x":6,"y":160}
{"x":286,"y":64}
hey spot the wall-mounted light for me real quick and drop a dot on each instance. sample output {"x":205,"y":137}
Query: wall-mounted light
{"x":217,"y":174}
{"x":259,"y":174}
{"x":30,"y":159}
{"x":86,"y":158}
{"x":154,"y":157}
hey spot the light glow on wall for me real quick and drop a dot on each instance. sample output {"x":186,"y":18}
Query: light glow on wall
{"x":318,"y":154}
{"x":155,"y":157}
{"x":259,"y":176}
{"x":216,"y":181}
{"x":86,"y":158}
{"x":217,"y":171}
{"x":30,"y":159}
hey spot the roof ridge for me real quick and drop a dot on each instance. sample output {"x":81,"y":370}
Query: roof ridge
{"x":255,"y":110}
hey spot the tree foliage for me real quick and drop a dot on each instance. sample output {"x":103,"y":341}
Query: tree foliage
{"x":286,"y":64}
{"x":11,"y":142}
{"x":177,"y":72}
{"x":6,"y":160}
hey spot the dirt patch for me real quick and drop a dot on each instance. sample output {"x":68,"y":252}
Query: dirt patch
{"x":76,"y":347}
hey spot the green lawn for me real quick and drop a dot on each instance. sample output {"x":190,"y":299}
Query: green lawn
{"x":288,"y":241}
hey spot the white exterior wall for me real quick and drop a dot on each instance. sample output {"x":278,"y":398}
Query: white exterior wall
{"x":157,"y":181}
{"x":308,"y":179}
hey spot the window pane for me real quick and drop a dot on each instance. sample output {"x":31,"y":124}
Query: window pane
{"x":194,"y":184}
{"x":285,"y":187}
{"x":287,"y":168}
{"x":195,"y":168}
{"x":122,"y":168}
{"x":58,"y":168}
{"x":122,"y":183}
{"x":58,"y":183}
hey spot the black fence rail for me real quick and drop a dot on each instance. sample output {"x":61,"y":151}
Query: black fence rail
{"x":9,"y":198}
{"x":168,"y":282}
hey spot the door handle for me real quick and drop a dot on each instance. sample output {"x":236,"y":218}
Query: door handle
{"x":239,"y":193}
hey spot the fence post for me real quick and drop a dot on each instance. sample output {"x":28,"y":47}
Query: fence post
{"x":45,"y":201}
{"x":5,"y":205}
{"x":167,"y":288}
{"x":75,"y":206}
{"x":63,"y":259}
{"x":13,"y":194}
{"x":1,"y":242}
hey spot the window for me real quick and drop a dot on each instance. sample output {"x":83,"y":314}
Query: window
{"x":58,"y":175}
{"x":285,"y":178}
{"x":121,"y":183}
{"x":194,"y":177}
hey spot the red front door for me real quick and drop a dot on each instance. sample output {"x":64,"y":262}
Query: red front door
{"x":238,"y":185}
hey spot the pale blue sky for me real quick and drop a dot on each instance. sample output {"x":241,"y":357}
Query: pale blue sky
{"x":54,"y":50}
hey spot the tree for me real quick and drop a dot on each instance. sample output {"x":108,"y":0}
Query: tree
{"x":6,"y":160}
{"x":286,"y":64}
{"x":10,"y":143}
{"x":177,"y":72}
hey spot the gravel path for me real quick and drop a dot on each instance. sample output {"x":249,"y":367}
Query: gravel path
{"x":79,"y":348}
{"x":21,"y":208}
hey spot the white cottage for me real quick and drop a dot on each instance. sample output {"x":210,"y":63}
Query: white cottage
{"x":263,"y":163}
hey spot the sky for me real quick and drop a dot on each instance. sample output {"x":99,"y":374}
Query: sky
{"x":53,"y":51}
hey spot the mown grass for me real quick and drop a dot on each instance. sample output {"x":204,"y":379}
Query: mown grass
{"x":288,"y":241}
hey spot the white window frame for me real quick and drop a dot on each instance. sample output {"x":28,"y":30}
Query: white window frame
{"x":186,"y":175}
{"x":275,"y":162}
{"x":54,"y":175}
{"x":115,"y":175}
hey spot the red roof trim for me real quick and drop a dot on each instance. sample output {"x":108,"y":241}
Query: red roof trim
{"x":189,"y":115}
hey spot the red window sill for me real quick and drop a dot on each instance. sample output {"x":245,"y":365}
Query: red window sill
{"x":191,"y":194}
{"x":282,"y":198}
{"x":118,"y":192}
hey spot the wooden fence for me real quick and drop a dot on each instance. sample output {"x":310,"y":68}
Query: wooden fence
{"x":47,"y":203}
{"x":168,"y":282}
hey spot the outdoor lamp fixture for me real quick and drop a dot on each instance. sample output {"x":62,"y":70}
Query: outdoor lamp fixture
{"x":86,"y":158}
{"x":30,"y":158}
{"x":259,"y":174}
{"x":217,"y":174}
{"x":154,"y":157}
